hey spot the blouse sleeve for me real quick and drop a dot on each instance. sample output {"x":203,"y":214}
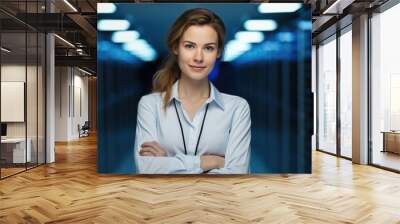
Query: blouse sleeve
{"x":237,"y":155}
{"x":146,"y":130}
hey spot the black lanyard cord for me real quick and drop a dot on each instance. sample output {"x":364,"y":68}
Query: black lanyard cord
{"x":180,"y":124}
{"x":183,"y":136}
{"x":201,"y":129}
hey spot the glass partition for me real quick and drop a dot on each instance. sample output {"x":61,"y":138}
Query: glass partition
{"x":14,"y":153}
{"x":327,"y":96}
{"x":22,"y":88}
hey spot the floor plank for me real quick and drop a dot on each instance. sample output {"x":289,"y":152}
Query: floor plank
{"x":70,"y":191}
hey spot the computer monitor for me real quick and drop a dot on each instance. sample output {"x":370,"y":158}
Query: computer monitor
{"x":3,"y":129}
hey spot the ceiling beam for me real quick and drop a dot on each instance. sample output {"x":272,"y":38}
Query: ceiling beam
{"x":83,"y":61}
{"x":86,"y":26}
{"x":337,"y":6}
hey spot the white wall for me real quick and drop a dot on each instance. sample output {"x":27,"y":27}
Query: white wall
{"x":70,"y":83}
{"x":61,"y":103}
{"x":17,"y":72}
{"x":12,"y":73}
{"x":80,"y":89}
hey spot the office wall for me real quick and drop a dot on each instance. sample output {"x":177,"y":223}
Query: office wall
{"x":15,"y":72}
{"x":13,"y":98}
{"x":80,"y":102}
{"x":61,"y":103}
{"x":71,"y":102}
{"x":92,"y":98}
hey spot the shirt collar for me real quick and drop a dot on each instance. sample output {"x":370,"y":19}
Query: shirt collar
{"x":215,"y":95}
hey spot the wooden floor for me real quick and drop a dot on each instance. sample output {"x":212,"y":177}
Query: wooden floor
{"x":8,"y":171}
{"x":70,"y":191}
{"x":5,"y":172}
{"x":387,"y":159}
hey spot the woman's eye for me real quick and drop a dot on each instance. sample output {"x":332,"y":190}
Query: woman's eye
{"x":189,"y":46}
{"x":209,"y":48}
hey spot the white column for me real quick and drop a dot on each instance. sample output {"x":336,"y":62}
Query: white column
{"x":50,"y":100}
{"x":50,"y":93}
{"x":360,"y":90}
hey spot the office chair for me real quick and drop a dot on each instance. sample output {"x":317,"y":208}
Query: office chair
{"x":84,"y":130}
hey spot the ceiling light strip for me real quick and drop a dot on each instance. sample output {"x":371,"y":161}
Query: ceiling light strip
{"x":70,"y":5}
{"x":5,"y":50}
{"x":64,"y":40}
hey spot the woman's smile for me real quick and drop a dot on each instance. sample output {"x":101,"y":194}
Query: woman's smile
{"x":197,"y":68}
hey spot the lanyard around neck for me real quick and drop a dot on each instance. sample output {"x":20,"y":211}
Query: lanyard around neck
{"x":183,"y":136}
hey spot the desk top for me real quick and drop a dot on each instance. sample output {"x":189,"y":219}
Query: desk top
{"x":13,"y":140}
{"x":391,"y":132}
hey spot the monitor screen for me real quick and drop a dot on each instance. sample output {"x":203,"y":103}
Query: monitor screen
{"x":3,"y":129}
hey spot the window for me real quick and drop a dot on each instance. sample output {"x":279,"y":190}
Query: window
{"x":346,"y":93}
{"x":327,"y":96}
{"x":385,"y":89}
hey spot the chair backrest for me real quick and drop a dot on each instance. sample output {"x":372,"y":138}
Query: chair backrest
{"x":86,"y":125}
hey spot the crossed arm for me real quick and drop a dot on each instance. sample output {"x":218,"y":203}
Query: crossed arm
{"x":207,"y":162}
{"x":152,"y":158}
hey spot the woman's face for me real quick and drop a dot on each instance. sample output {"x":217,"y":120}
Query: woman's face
{"x":197,"y":51}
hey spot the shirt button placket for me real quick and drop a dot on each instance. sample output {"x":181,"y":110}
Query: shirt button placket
{"x":192,"y":139}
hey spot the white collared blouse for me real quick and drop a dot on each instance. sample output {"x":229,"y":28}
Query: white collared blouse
{"x":226,"y":132}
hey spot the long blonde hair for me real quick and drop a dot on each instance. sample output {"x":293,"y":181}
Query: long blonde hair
{"x":165,"y":77}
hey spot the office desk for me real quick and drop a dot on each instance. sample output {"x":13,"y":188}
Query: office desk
{"x":391,"y":142}
{"x":13,"y":150}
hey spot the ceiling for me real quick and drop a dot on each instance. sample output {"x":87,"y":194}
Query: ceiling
{"x":79,"y":27}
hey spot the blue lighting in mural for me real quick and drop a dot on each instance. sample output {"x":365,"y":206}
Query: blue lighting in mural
{"x":113,"y":24}
{"x":285,"y":36}
{"x":215,"y":71}
{"x":112,"y":52}
{"x":305,"y":25}
{"x":106,"y":8}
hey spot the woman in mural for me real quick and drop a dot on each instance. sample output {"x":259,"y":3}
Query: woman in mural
{"x":186,"y":125}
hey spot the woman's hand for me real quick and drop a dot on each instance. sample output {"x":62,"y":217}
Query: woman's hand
{"x":209,"y":162}
{"x":152,"y":148}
